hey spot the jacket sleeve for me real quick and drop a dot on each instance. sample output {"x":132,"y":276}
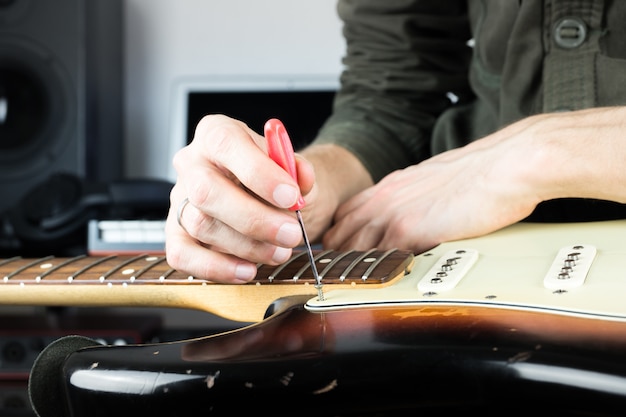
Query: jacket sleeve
{"x":403,"y":59}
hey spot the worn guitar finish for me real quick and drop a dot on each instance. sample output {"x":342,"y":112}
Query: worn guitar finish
{"x":370,"y":361}
{"x":147,"y":280}
{"x":530,"y":320}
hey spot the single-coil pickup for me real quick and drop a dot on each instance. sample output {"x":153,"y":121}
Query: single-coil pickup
{"x":446,"y":273}
{"x":570,"y":267}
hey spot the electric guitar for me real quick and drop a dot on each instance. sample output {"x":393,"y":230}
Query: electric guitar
{"x":529,"y":319}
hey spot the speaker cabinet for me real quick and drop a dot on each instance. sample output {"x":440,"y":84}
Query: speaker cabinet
{"x":60,"y":92}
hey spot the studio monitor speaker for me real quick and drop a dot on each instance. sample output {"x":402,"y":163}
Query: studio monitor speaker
{"x":60,"y":92}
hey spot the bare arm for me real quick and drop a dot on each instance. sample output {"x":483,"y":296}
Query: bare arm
{"x":491,"y":183}
{"x":339,"y":176}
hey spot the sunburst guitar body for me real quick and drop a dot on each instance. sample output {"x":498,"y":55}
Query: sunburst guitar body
{"x":529,"y":319}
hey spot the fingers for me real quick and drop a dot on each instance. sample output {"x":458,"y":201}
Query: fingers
{"x":217,"y":233}
{"x":207,"y":247}
{"x":220,"y":224}
{"x":221,"y":204}
{"x":227,"y":180}
{"x":238,"y":153}
{"x":348,"y":222}
{"x":213,"y":262}
{"x":306,"y":174}
{"x":194,"y":259}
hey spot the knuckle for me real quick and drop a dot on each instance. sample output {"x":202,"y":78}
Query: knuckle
{"x":177,"y":258}
{"x":213,"y":136}
{"x":206,"y":123}
{"x":175,"y":255}
{"x":216,"y":128}
{"x":256,"y":251}
{"x":180,"y":159}
{"x":206,"y":269}
{"x":176,"y":194}
{"x":252,"y":225}
{"x":198,"y":224}
{"x":202,"y":194}
{"x":399,"y":232}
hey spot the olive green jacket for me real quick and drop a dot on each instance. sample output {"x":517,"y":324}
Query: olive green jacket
{"x":425,"y":76}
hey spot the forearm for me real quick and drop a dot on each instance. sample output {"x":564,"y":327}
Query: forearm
{"x":572,"y":155}
{"x":402,"y":59}
{"x":339,"y":175}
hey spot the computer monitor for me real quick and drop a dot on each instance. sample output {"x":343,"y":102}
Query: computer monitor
{"x":302,"y":102}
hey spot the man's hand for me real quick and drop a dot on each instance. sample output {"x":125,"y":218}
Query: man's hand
{"x":234,"y":215}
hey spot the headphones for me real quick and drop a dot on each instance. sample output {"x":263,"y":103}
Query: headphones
{"x":51,"y":219}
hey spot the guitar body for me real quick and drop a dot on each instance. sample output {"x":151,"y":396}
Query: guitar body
{"x":528,"y":320}
{"x":367,"y":361}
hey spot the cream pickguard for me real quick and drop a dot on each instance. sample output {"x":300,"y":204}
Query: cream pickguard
{"x":572,"y":269}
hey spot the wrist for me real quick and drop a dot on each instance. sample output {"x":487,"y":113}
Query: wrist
{"x":339,"y":175}
{"x":576,"y":154}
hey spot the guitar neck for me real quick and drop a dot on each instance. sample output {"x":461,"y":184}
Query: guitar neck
{"x":148,"y":281}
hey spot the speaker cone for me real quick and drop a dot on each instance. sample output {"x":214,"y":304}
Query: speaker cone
{"x":24,"y":108}
{"x":34,"y":109}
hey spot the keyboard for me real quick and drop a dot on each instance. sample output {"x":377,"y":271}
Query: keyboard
{"x":107,"y":237}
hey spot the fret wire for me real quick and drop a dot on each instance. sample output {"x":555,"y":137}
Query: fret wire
{"x":279,"y":268}
{"x":120,"y":266}
{"x":91,"y":265}
{"x":25,"y":267}
{"x":308,"y":264}
{"x":375,"y":264}
{"x":334,"y":262}
{"x":166,"y":274}
{"x":354,"y":263}
{"x":9,"y":260}
{"x":149,"y":266}
{"x":60,"y":265}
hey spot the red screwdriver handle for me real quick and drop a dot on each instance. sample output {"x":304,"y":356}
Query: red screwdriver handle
{"x":281,"y":151}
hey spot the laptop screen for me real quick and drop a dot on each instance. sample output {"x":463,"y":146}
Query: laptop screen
{"x":302,"y":102}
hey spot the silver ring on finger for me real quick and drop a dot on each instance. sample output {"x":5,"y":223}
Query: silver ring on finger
{"x":179,"y":213}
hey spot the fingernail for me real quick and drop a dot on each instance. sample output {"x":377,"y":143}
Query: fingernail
{"x":289,"y":235}
{"x":285,"y":195}
{"x":281,"y":255}
{"x":245,"y":272}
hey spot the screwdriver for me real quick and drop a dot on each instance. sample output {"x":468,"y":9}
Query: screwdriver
{"x":281,"y":151}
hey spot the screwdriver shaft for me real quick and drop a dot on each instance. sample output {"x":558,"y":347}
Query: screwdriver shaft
{"x":318,"y":280}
